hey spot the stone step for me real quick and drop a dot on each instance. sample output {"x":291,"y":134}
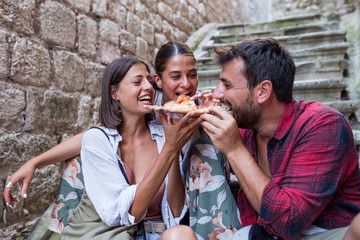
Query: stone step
{"x":346,"y":107}
{"x":297,"y":42}
{"x":335,"y":68}
{"x":322,"y":90}
{"x":280,"y":23}
{"x":287,"y":31}
{"x":322,"y":52}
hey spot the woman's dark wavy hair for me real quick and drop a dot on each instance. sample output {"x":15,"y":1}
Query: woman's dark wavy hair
{"x":168,"y":51}
{"x":110,"y":111}
{"x":265,"y":59}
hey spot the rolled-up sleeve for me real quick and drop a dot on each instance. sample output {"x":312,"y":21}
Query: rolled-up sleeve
{"x":105,"y":184}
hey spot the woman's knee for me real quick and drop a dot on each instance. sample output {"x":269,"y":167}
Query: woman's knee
{"x":179,"y":232}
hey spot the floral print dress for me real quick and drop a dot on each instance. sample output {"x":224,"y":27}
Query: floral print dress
{"x":213,"y":210}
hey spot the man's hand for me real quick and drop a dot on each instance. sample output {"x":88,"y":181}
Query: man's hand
{"x":222,"y":129}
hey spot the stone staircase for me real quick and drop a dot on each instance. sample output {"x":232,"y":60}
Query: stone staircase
{"x":317,"y":44}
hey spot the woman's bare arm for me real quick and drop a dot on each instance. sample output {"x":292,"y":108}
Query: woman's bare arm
{"x":61,"y":152}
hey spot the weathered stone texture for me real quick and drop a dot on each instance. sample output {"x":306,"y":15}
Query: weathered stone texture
{"x":4,"y":48}
{"x":142,"y":12}
{"x":156,"y":21}
{"x":165,"y":11}
{"x":51,"y":111}
{"x":109,"y":32}
{"x":94,"y":74}
{"x":141,"y":48}
{"x":182,"y":23}
{"x":57,"y":24}
{"x":20,"y":14}
{"x":87,"y":35}
{"x":133,"y":24}
{"x":147,"y":32}
{"x":30,"y":63}
{"x":84,"y":112}
{"x":160,"y":39}
{"x":12,"y":101}
{"x":83,"y":5}
{"x":118,"y":13}
{"x":108,"y":52}
{"x":69,"y":71}
{"x":151,"y":4}
{"x":99,"y":7}
{"x":128,"y":41}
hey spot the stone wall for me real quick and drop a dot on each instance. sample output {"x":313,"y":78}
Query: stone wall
{"x":52,"y":57}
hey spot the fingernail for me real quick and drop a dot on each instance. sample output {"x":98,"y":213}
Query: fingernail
{"x":24,"y":195}
{"x":9,"y":205}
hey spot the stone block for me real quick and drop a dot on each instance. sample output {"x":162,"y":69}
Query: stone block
{"x":192,"y":14}
{"x":194,"y":3}
{"x":30,"y":63}
{"x":168,"y":30}
{"x":109,"y":32}
{"x":156,"y":21}
{"x":182,"y":23}
{"x":57,"y":24}
{"x":160,"y":39}
{"x":165,"y":11}
{"x":83,"y":5}
{"x":94,"y":75}
{"x":127,"y":41}
{"x":175,"y":4}
{"x":180,"y":35}
{"x":20,"y":14}
{"x":69,"y":71}
{"x":84,"y":112}
{"x":183,"y":8}
{"x":141,"y":48}
{"x":133,"y":24}
{"x":87,"y":35}
{"x":152,"y":4}
{"x":95,"y":114}
{"x":202,"y":10}
{"x":147,"y":32}
{"x":4,"y":48}
{"x":51,"y":111}
{"x":99,"y":7}
{"x":118,"y":13}
{"x":142,"y":11}
{"x":108,"y":52}
{"x":12,"y":101}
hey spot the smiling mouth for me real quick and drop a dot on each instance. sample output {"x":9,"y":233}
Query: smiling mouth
{"x":145,"y":100}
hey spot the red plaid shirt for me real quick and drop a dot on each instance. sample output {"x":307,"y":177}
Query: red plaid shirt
{"x":314,"y":169}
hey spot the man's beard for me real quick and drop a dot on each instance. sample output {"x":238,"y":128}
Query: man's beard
{"x":247,"y":115}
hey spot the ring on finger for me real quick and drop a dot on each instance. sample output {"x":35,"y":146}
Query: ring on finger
{"x":9,"y":185}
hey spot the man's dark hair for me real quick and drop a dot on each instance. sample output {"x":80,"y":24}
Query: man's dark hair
{"x":265,"y":59}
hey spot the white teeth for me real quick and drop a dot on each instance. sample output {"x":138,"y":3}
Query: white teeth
{"x":145,"y":98}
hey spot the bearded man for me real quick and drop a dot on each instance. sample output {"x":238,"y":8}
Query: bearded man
{"x":295,"y":161}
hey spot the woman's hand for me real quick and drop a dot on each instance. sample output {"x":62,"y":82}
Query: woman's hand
{"x":179,"y":132}
{"x":24,"y":176}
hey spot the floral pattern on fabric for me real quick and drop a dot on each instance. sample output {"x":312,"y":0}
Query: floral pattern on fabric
{"x":70,"y":192}
{"x":212,"y":207}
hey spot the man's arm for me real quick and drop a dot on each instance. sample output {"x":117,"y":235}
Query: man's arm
{"x":224,"y":133}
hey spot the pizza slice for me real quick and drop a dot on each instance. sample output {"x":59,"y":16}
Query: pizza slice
{"x":182,"y":105}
